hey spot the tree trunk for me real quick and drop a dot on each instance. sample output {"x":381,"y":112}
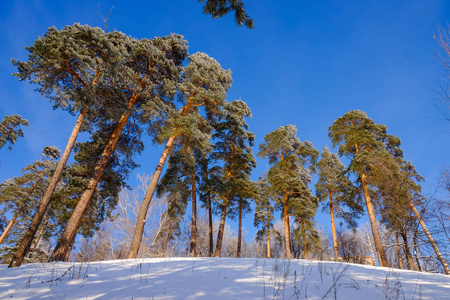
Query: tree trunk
{"x":166,"y":242}
{"x":239,"y":245}
{"x":140,"y":223}
{"x":287,"y":233}
{"x":141,"y":219}
{"x":416,"y":250}
{"x":221,"y":228}
{"x":333,"y":227}
{"x":211,"y":232}
{"x":431,"y":240}
{"x":193,"y":248}
{"x":268,"y":240}
{"x":409,"y":260}
{"x":68,"y":236}
{"x":399,"y":253}
{"x":10,"y":224}
{"x":382,"y":259}
{"x":38,"y":237}
{"x":43,"y":204}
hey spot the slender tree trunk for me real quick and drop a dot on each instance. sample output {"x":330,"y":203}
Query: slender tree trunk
{"x":287,"y":233}
{"x":382,"y":259}
{"x":68,"y":236}
{"x":193,"y":248}
{"x":43,"y":204}
{"x":38,"y":237}
{"x":431,"y":240}
{"x":268,"y":240}
{"x":409,"y":260}
{"x":140,"y":223}
{"x":221,"y":228}
{"x":211,"y":232}
{"x":416,"y":254}
{"x":333,"y":227}
{"x":166,"y":242}
{"x":141,"y":219}
{"x":399,"y":253}
{"x":238,"y":252}
{"x":10,"y":224}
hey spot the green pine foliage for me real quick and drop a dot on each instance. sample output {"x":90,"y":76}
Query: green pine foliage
{"x":219,"y":8}
{"x":292,"y":163}
{"x":10,"y":130}
{"x":335,"y":189}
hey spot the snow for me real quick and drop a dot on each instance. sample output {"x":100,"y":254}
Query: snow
{"x":217,"y":278}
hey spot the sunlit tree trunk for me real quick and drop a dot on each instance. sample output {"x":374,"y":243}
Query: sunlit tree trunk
{"x":193,"y":248}
{"x":238,"y":252}
{"x":287,"y":233}
{"x":211,"y":232}
{"x":268,"y":240}
{"x":10,"y":224}
{"x":431,"y":240}
{"x":333,"y":226}
{"x":68,"y":236}
{"x":43,"y":204}
{"x":221,"y":227}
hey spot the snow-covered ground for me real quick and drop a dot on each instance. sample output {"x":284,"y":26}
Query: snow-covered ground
{"x":217,"y":278}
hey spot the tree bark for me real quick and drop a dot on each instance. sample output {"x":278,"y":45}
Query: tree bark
{"x":221,"y":227}
{"x":287,"y":233}
{"x":333,"y":226}
{"x":140,"y":223}
{"x":431,"y":240}
{"x":399,"y":253}
{"x":268,"y":240}
{"x":141,"y":219}
{"x":382,"y":258}
{"x":239,"y":245}
{"x":166,"y":242}
{"x":38,"y":237}
{"x":43,"y":204}
{"x":409,"y":259}
{"x":10,"y":224}
{"x":68,"y":236}
{"x":211,"y":233}
{"x":193,"y":248}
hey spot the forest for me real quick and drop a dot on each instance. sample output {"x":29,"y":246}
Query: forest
{"x":128,"y":94}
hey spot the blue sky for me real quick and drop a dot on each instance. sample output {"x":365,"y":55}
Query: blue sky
{"x":305,"y":63}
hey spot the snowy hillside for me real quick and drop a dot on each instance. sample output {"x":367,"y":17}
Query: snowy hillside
{"x":217,"y":278}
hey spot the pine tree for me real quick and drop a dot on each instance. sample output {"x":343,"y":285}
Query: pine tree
{"x":292,"y":162}
{"x":361,"y":140}
{"x":398,"y":186}
{"x":73,"y":67}
{"x":232,"y":147}
{"x":21,"y":194}
{"x":219,"y":8}
{"x":264,"y":212}
{"x":204,"y":85}
{"x":333,"y":185}
{"x":153,"y":71}
{"x":10,"y":130}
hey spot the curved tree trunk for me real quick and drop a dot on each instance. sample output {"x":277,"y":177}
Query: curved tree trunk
{"x":25,"y":244}
{"x":221,"y":228}
{"x":140,"y":223}
{"x":166,"y":242}
{"x":333,"y":226}
{"x":193,"y":247}
{"x":239,"y":245}
{"x":431,"y":240}
{"x":68,"y":236}
{"x":382,"y":258}
{"x":287,"y":232}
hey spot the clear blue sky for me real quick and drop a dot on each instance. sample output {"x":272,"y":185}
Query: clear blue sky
{"x":305,"y":63}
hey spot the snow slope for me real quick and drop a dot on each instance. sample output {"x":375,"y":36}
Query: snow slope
{"x":217,"y":278}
